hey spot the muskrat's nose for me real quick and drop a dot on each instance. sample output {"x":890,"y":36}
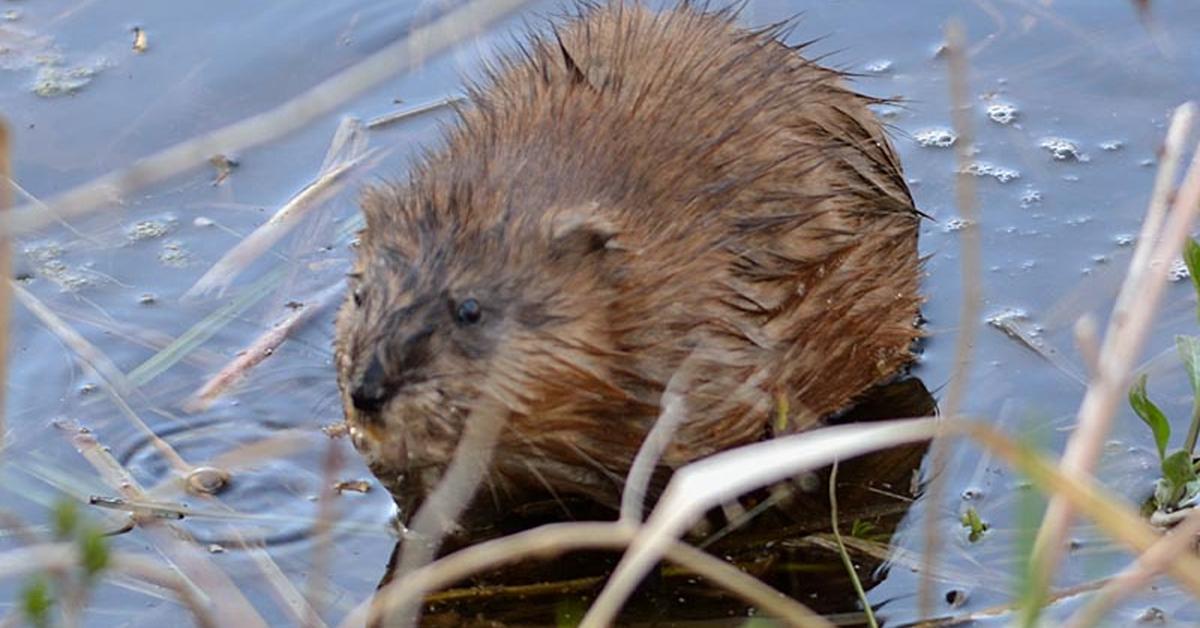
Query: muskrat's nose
{"x":371,"y":392}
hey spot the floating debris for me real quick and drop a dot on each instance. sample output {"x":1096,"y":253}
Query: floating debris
{"x":1112,"y":145}
{"x":986,"y":169}
{"x":224,"y":166}
{"x":955,"y":224}
{"x":352,"y":486}
{"x":1124,"y":239}
{"x":1030,"y":197}
{"x":139,"y":40}
{"x":936,"y":137}
{"x":1062,"y":149}
{"x":1002,"y":113}
{"x":54,"y":80}
{"x":148,"y":230}
{"x":1178,"y":271}
{"x":880,"y":66}
{"x":174,"y":255}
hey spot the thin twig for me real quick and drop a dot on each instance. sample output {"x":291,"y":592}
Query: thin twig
{"x":262,"y":348}
{"x":553,"y":539}
{"x":389,"y":119}
{"x":969,"y":307}
{"x":409,"y":53}
{"x":1161,"y":240}
{"x":841,"y":546}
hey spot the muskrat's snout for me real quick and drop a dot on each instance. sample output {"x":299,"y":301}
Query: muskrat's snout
{"x":372,"y":391}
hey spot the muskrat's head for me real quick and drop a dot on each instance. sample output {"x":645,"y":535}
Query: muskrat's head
{"x":451,"y":306}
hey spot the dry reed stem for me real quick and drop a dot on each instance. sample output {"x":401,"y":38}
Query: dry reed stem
{"x":389,"y":119}
{"x":1111,"y":515}
{"x":5,"y":274}
{"x":1161,"y":241}
{"x":969,"y":308}
{"x":1179,"y":540}
{"x":327,"y":184}
{"x":292,"y":115}
{"x":172,"y":541}
{"x":65,"y":556}
{"x":117,"y":384}
{"x":719,"y":478}
{"x":438,"y":515}
{"x":318,"y":576}
{"x":553,"y":539}
{"x":262,"y":348}
{"x":287,"y":596}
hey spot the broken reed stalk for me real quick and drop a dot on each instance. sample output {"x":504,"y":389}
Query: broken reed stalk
{"x":5,"y":274}
{"x":262,"y":348}
{"x":389,"y":119}
{"x":295,"y":114}
{"x":322,"y":553}
{"x":1161,"y":240}
{"x":969,"y":309}
{"x":1179,"y":540}
{"x":549,"y":540}
{"x":441,"y":511}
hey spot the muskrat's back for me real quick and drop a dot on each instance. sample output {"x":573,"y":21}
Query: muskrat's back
{"x":638,"y":201}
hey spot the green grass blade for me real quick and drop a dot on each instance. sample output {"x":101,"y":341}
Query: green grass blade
{"x":1150,"y":414}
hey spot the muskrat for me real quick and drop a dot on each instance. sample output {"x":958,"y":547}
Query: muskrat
{"x":632,"y":196}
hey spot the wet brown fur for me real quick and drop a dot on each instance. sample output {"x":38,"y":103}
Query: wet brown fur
{"x":632,"y":197}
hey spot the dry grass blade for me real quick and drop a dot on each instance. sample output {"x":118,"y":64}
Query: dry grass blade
{"x":1179,"y":540}
{"x":555,"y":539}
{"x":722,"y":477}
{"x":841,"y":550}
{"x":5,"y":273}
{"x":1161,"y":241}
{"x":1111,"y":515}
{"x":330,"y":180}
{"x":972,"y":299}
{"x":260,"y":349}
{"x":327,"y":513}
{"x":409,"y":53}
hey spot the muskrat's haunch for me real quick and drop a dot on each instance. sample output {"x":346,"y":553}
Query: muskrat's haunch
{"x":633,"y":198}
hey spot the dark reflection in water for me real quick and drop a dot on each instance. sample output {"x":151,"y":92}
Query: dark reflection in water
{"x":783,"y":538}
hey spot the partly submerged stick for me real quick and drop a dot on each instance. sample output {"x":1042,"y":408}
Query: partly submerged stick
{"x":1161,"y":240}
{"x":293,"y":115}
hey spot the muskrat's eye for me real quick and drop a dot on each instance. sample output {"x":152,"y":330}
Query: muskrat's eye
{"x":357,"y":295}
{"x":469,"y":312}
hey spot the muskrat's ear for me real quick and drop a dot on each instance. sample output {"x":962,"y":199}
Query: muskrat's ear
{"x":581,"y":230}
